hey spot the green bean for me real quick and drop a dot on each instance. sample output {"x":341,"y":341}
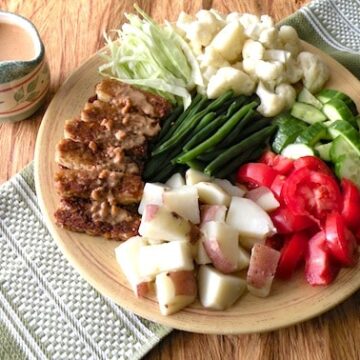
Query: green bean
{"x":198,"y":101}
{"x":256,"y":126}
{"x":208,"y":156}
{"x":253,"y":140}
{"x":236,"y":105}
{"x":169,"y":122}
{"x":195,"y":164}
{"x":205,"y":121}
{"x":218,"y":136}
{"x":205,"y":132}
{"x":238,"y":128}
{"x":247,"y":156}
{"x":164,"y":173}
{"x":191,"y":123}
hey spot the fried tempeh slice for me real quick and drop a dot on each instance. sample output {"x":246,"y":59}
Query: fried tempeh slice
{"x":89,"y":156}
{"x":104,"y":185}
{"x":93,"y":218}
{"x":130,"y":98}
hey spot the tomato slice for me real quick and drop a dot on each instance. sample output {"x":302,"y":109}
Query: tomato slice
{"x":312,"y":163}
{"x":256,"y":174}
{"x":286,"y":222}
{"x":292,"y":253}
{"x":311,"y":193}
{"x":277,"y":185}
{"x":351,"y":204}
{"x":279,"y":163}
{"x":340,"y":240}
{"x":320,"y":268}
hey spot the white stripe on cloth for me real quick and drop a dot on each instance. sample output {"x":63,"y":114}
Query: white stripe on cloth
{"x":19,"y":332}
{"x":96,"y":352}
{"x":322,"y":31}
{"x":129,"y":319}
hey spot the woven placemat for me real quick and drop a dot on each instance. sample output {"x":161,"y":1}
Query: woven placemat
{"x":47,"y":311}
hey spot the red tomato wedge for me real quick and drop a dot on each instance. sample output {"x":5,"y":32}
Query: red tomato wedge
{"x":256,"y":174}
{"x":311,"y":193}
{"x":279,"y":163}
{"x":277,"y":185}
{"x":351,"y":204}
{"x":320,"y":268}
{"x":312,"y":163}
{"x":286,"y":222}
{"x":340,"y":240}
{"x":291,"y":254}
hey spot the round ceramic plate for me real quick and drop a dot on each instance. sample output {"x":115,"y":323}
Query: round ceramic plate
{"x":289,"y":302}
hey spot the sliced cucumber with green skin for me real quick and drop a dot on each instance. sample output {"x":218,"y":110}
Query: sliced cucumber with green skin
{"x":324,"y":151}
{"x":313,"y":134}
{"x":308,"y":113}
{"x":325,"y":95}
{"x":344,"y":129}
{"x":288,"y":130}
{"x":295,"y":151}
{"x":348,"y":166}
{"x":339,"y":148}
{"x":336,"y":109}
{"x":305,"y":96}
{"x":357,"y":119}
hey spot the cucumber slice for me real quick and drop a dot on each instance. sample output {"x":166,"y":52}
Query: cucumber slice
{"x":313,"y":134}
{"x":305,"y":96}
{"x":339,"y":148}
{"x":308,"y":113}
{"x":325,"y":95}
{"x":324,"y":151}
{"x":288,"y":130}
{"x":348,"y":166}
{"x":336,"y":109}
{"x":344,"y":129}
{"x":357,"y":119}
{"x":295,"y":151}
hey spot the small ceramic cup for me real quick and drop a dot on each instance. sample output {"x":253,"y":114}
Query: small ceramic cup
{"x":23,"y":84}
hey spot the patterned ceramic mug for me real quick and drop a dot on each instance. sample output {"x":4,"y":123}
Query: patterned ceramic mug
{"x":23,"y":83}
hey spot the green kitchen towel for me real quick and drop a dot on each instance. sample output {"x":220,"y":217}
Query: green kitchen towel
{"x":334,"y":27}
{"x":47,"y":311}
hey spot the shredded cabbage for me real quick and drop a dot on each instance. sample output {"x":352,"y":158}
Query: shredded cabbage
{"x":152,"y":57}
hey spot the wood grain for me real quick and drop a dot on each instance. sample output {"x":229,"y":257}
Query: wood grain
{"x":71,"y":31}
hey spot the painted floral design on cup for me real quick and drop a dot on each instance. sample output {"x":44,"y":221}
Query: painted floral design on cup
{"x":23,"y":84}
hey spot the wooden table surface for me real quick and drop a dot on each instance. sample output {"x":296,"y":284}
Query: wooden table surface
{"x":72,"y":31}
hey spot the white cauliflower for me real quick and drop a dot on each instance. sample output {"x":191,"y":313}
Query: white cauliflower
{"x":268,"y":37}
{"x":288,"y":93}
{"x":293,"y":72}
{"x":229,"y":41}
{"x":269,"y":71}
{"x":282,"y":56}
{"x":253,"y":49}
{"x":211,"y":57}
{"x":228,"y":78}
{"x":271,"y":103}
{"x":289,"y":39}
{"x":249,"y":66}
{"x":247,"y":20}
{"x":315,"y":72}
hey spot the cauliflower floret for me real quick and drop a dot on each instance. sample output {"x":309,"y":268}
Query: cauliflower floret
{"x":199,"y":33}
{"x":229,"y":41}
{"x":268,"y":71}
{"x":228,"y":78}
{"x":267,"y":20}
{"x":315,"y":72}
{"x":268,"y":37}
{"x":288,"y":93}
{"x":211,"y":57}
{"x":208,"y":72}
{"x":293,"y":72}
{"x":221,"y":17}
{"x":233,"y":17}
{"x":238,"y":66}
{"x":289,"y":39}
{"x":271,"y":103}
{"x":253,"y":50}
{"x":183,"y":21}
{"x":249,"y":66}
{"x":247,"y":20}
{"x":277,"y":55}
{"x":209,"y":17}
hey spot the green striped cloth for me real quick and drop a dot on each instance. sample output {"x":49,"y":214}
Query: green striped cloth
{"x":47,"y":311}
